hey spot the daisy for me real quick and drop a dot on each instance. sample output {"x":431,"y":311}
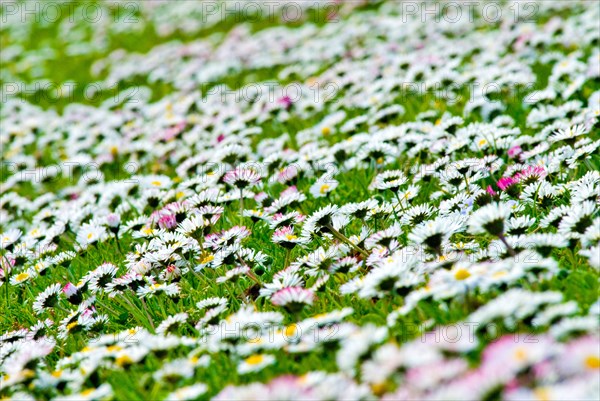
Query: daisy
{"x":345,"y":265}
{"x":73,"y":294}
{"x":171,"y":323}
{"x":9,"y":238}
{"x":319,"y":220}
{"x":380,"y":153}
{"x":490,"y":219}
{"x":104,"y":391}
{"x":387,"y":238}
{"x":255,"y":214}
{"x":358,"y":210}
{"x":569,"y":134}
{"x":99,"y":278}
{"x":287,"y":219}
{"x":322,"y":187}
{"x":391,"y":179}
{"x":282,"y":279}
{"x":209,"y":302}
{"x":416,"y":214}
{"x":47,"y":299}
{"x":434,"y":233}
{"x":288,"y":198}
{"x":255,"y":363}
{"x":545,"y":243}
{"x":293,"y":298}
{"x":172,"y":290}
{"x":531,"y":174}
{"x":233,"y":274}
{"x":577,"y":220}
{"x":242,"y":178}
{"x":22,"y":277}
{"x":193,"y":226}
{"x":90,"y":233}
{"x":286,"y":238}
{"x":519,"y":225}
{"x":187,"y":393}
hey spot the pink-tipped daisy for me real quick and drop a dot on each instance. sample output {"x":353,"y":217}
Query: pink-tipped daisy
{"x":293,"y":298}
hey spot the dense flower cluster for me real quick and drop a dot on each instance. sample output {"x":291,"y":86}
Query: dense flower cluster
{"x":384,"y":241}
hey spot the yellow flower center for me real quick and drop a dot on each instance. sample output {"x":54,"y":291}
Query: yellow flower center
{"x":207,"y":259}
{"x":71,"y":325}
{"x":21,"y":277}
{"x":156,"y":183}
{"x":290,"y":330}
{"x":379,"y":389}
{"x":592,"y":362}
{"x":254,"y":359}
{"x":541,"y":394}
{"x":123,"y":360}
{"x":88,"y":391}
{"x":462,"y":274}
{"x":324,"y":188}
{"x":482,"y":142}
{"x":57,"y":373}
{"x":520,"y":354}
{"x":291,"y":237}
{"x":379,"y":160}
{"x":326,"y":130}
{"x":90,"y":235}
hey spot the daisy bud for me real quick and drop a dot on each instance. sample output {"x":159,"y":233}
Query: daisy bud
{"x":72,"y":293}
{"x":113,"y":221}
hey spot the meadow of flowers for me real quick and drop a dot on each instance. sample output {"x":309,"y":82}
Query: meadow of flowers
{"x":313,"y":200}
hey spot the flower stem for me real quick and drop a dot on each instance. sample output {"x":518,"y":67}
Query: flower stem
{"x":510,"y":250}
{"x":287,"y":257}
{"x":467,"y":184}
{"x":250,"y":272}
{"x":241,"y":203}
{"x":147,"y":313}
{"x":345,"y":240}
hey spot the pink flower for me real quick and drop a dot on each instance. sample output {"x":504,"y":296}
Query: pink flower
{"x":535,"y":172}
{"x":220,"y":138}
{"x":289,"y":191}
{"x":172,"y":132}
{"x":505,"y":182}
{"x":490,"y":190}
{"x":167,"y":221}
{"x":514,"y":151}
{"x":285,"y":101}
